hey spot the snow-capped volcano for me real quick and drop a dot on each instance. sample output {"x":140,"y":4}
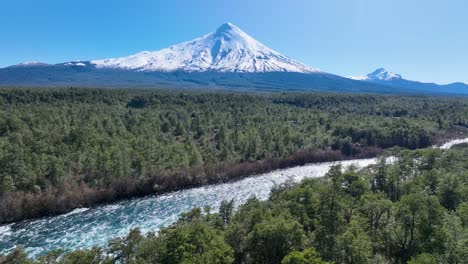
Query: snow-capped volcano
{"x":229,"y":49}
{"x":380,"y":74}
{"x":225,"y":59}
{"x":383,"y":74}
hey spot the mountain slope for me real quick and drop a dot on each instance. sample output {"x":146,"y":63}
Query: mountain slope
{"x":379,"y":75}
{"x":229,"y":49}
{"x":225,"y":59}
{"x":388,"y":78}
{"x":89,"y":76}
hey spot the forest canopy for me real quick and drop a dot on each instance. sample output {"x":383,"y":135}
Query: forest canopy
{"x":86,"y":146}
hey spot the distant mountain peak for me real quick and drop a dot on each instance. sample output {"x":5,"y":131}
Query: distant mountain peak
{"x":29,"y":64}
{"x":228,"y":49}
{"x":383,"y":74}
{"x":379,"y":74}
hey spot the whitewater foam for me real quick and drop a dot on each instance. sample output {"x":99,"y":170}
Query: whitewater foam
{"x":85,"y":228}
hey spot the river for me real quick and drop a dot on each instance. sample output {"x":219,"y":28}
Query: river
{"x":88,"y":227}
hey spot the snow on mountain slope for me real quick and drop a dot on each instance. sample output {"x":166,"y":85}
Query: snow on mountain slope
{"x":380,"y":74}
{"x":229,"y":49}
{"x":30,"y":64}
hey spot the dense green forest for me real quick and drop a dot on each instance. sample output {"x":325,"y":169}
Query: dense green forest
{"x":412,"y":208}
{"x":65,"y":148}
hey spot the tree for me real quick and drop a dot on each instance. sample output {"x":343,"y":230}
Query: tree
{"x":331,"y":219}
{"x":308,"y":256}
{"x":456,"y":245}
{"x":179,"y":129}
{"x":138,"y":102}
{"x":272,"y":239}
{"x":193,"y":242}
{"x":196,"y":158}
{"x":52,"y":257}
{"x":7,"y":184}
{"x":354,"y":245}
{"x":91,"y":256}
{"x":17,"y":256}
{"x":379,"y":183}
{"x":418,"y":226}
{"x":377,"y":211}
{"x":226,"y":210}
{"x":221,"y":137}
{"x":462,"y":212}
{"x":423,"y":259}
{"x":448,"y":192}
{"x":124,"y":249}
{"x":242,"y":224}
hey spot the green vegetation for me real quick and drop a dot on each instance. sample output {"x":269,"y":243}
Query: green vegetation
{"x":413,"y":210}
{"x":65,"y":148}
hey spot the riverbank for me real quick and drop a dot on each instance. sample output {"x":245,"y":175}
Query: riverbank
{"x":21,"y":206}
{"x":89,"y":227}
{"x":95,"y":226}
{"x":401,"y":189}
{"x":86,"y":147}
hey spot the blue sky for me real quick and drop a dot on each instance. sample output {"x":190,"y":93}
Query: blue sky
{"x":422,"y":40}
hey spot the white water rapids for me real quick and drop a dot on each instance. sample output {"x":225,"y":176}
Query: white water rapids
{"x":85,"y":228}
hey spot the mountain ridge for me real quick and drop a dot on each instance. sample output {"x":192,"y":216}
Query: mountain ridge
{"x":225,"y":59}
{"x":385,"y":77}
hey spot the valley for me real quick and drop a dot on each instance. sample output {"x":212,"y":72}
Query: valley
{"x":155,"y":132}
{"x":87,"y":228}
{"x":82,"y":147}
